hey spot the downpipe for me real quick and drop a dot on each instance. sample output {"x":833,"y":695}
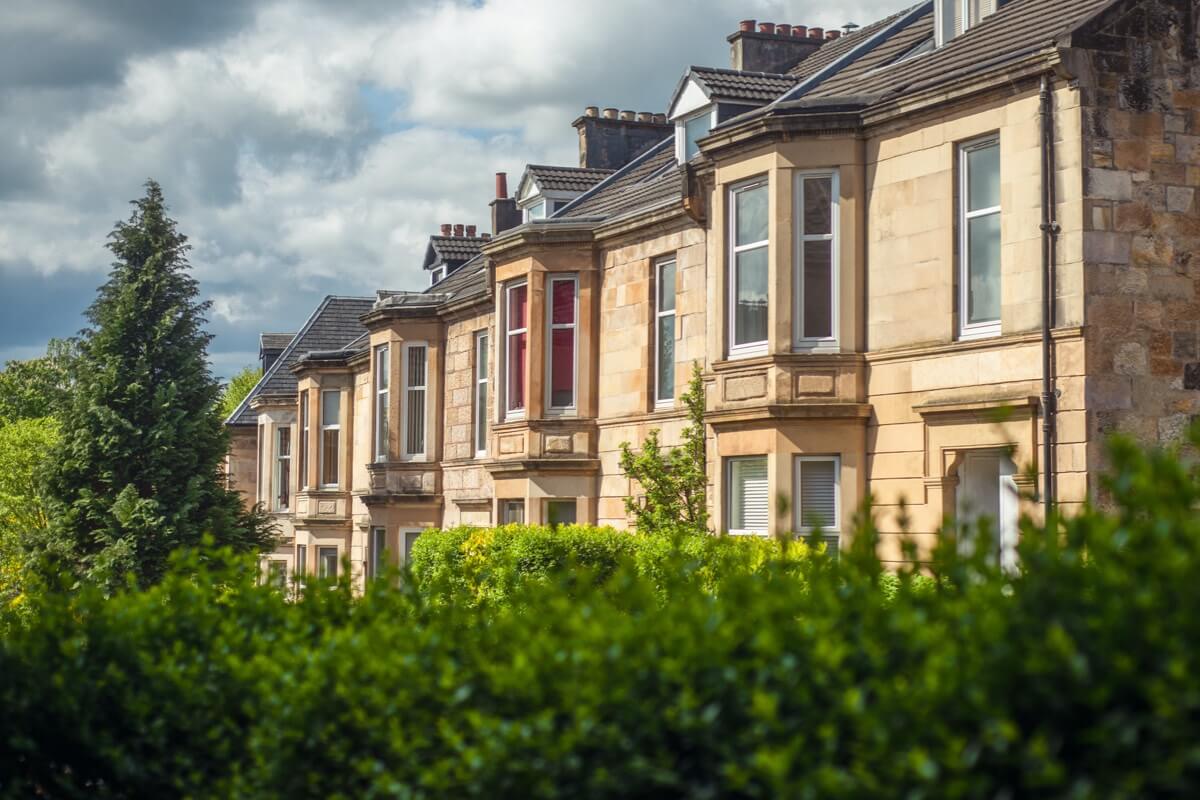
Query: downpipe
{"x":1050,"y":230}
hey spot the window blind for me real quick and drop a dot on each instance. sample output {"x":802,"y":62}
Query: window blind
{"x":749,"y":502}
{"x":818,"y":494}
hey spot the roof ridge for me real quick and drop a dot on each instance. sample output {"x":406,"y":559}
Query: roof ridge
{"x":730,"y":71}
{"x":652,"y":150}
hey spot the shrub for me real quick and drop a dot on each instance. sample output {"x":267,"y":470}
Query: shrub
{"x":488,"y":565}
{"x":1074,"y":678}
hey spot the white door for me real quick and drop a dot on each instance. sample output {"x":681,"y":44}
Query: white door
{"x":987,"y":489}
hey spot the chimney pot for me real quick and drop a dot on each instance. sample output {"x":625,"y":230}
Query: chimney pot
{"x":501,"y":185}
{"x":610,"y":113}
{"x":816,"y":33}
{"x":645,"y":116}
{"x":783,"y":29}
{"x":766,"y":27}
{"x":661,"y":119}
{"x":487,"y":237}
{"x":458,"y":230}
{"x":446,"y":229}
{"x":831,"y":35}
{"x":800,"y":30}
{"x":628,"y":116}
{"x":591,"y":111}
{"x":471,"y":231}
{"x":746,"y":25}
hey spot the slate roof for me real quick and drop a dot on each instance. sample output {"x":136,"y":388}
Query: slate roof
{"x":731,"y":85}
{"x":650,"y":179}
{"x":1018,"y":28}
{"x":274,"y":341}
{"x":468,"y":280}
{"x":331,"y":327}
{"x":566,"y":179}
{"x":833,"y":50}
{"x":452,"y":249}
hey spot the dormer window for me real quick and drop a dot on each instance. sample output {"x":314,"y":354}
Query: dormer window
{"x":436,"y":275}
{"x":692,"y":130}
{"x":954,"y":17}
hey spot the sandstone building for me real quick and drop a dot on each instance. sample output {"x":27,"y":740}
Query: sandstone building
{"x":934,"y":260}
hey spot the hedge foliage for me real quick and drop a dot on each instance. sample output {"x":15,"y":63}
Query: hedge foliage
{"x":1075,"y":678}
{"x":481,"y":566}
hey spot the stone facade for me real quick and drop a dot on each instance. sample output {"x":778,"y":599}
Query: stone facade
{"x":900,"y":396}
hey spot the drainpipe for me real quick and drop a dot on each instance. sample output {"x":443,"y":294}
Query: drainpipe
{"x":1050,"y":230}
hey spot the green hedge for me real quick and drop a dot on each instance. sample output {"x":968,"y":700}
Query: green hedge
{"x":1075,"y":678}
{"x":487,"y":565}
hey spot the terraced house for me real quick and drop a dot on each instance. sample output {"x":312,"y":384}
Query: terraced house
{"x":933,"y":260}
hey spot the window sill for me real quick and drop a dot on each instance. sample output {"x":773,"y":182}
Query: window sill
{"x":990,"y":330}
{"x":762,"y":534}
{"x":747,"y":351}
{"x":822,"y":346}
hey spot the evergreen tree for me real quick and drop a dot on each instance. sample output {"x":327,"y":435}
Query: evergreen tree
{"x":675,"y":482}
{"x":139,"y":469}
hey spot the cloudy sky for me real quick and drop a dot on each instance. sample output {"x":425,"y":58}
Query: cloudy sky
{"x":306,"y":147}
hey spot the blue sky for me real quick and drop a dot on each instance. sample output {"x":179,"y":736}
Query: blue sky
{"x":306,"y":147}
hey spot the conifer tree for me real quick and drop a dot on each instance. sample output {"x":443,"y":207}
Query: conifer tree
{"x":139,"y":469}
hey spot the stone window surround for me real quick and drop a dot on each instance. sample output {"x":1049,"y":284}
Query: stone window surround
{"x":408,"y":389}
{"x":982,"y":330}
{"x":744,"y":349}
{"x":548,"y":348}
{"x":799,"y":342}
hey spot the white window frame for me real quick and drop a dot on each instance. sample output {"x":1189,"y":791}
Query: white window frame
{"x":437,"y":275}
{"x":300,"y":569}
{"x":991,"y":328}
{"x":322,"y":552}
{"x":337,"y":426}
{"x":832,"y":534}
{"x":728,"y":489}
{"x":681,"y":131}
{"x":378,"y":537}
{"x":746,"y":349}
{"x":302,"y":477}
{"x":406,"y":399}
{"x":799,"y":341}
{"x":504,"y":505}
{"x":408,"y":538}
{"x":548,"y":349}
{"x":503,"y":413}
{"x":383,"y":388}
{"x":659,"y":315}
{"x":282,"y":432}
{"x":482,"y":375}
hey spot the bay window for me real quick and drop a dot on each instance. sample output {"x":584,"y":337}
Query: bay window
{"x":378,"y":548}
{"x":979,"y":238}
{"x":664,"y":333}
{"x":512,"y":512}
{"x":327,"y":563}
{"x":516,"y":343}
{"x":301,"y":560}
{"x":383,"y":383}
{"x":331,"y":410}
{"x":748,"y":268}
{"x":480,"y":426}
{"x":304,"y":439}
{"x":560,"y":378}
{"x":283,"y":467}
{"x":747,"y":495}
{"x":816,"y":497}
{"x":416,"y":375}
{"x":560,"y":512}
{"x":816,"y":278}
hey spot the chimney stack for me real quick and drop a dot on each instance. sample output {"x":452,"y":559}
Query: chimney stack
{"x":446,"y":226}
{"x":505,"y":213}
{"x":471,"y":231}
{"x":613,"y":139}
{"x":772,"y":48}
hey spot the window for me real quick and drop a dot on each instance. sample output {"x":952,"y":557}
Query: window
{"x":410,"y":539}
{"x":816,"y":279}
{"x":481,"y":392}
{"x":664,"y":333}
{"x":277,"y":573}
{"x":747,"y":494}
{"x":304,"y":439}
{"x":383,"y":383}
{"x":435,"y":276}
{"x":327,"y":562}
{"x":979,"y":238}
{"x":331,"y":410}
{"x":378,"y":548}
{"x":817,"y":497}
{"x":536,"y":211}
{"x":416,"y":373}
{"x":301,"y":560}
{"x":560,"y":512}
{"x":694,"y":129}
{"x":560,"y":380}
{"x":261,"y":441}
{"x":748,"y":269}
{"x":512,"y":512}
{"x":559,"y":205}
{"x":283,"y":467}
{"x":516,"y":334}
